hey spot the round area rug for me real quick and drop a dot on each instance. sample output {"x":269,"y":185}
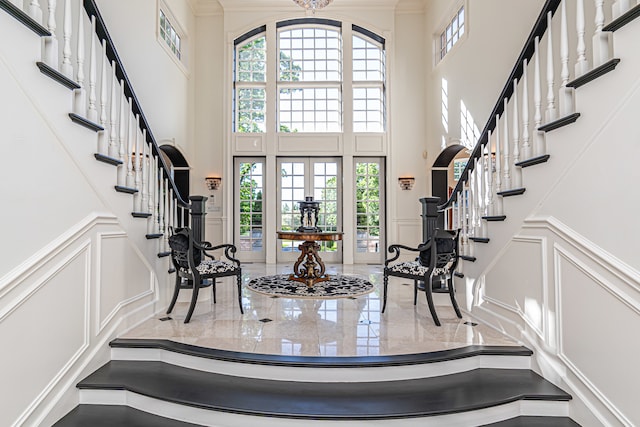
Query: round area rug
{"x":336,"y":287}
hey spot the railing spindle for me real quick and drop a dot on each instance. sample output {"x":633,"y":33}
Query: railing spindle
{"x":122,"y":168}
{"x":113,"y":123}
{"x":600,"y":38}
{"x":50,"y":43}
{"x":582,"y":65}
{"x":566,"y":93}
{"x":550,"y":114}
{"x":527,"y":151}
{"x":92,"y":112}
{"x":137,"y":166}
{"x":539,"y":148}
{"x":506,"y":169}
{"x":35,"y":11}
{"x":131,"y":131}
{"x":144,"y":170}
{"x":67,"y":68}
{"x":490,"y":190}
{"x":497,"y":205}
{"x":80,"y":104}
{"x":515,"y":126}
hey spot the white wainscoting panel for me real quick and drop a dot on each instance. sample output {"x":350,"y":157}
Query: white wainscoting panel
{"x":521,"y":290}
{"x":123,"y":276}
{"x":597,"y":324}
{"x":249,"y":144}
{"x":45,"y":331}
{"x":369,"y":144}
{"x":319,"y":143}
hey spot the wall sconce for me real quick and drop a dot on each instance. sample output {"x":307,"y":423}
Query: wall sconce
{"x":213,"y":182}
{"x":406,"y":182}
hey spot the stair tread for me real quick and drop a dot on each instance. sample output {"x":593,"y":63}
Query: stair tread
{"x":115,"y":415}
{"x":532,"y":421}
{"x":322,"y":361}
{"x":460,"y":392}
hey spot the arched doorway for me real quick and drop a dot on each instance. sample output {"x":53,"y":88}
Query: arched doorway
{"x":442,"y":174}
{"x":179,"y":169}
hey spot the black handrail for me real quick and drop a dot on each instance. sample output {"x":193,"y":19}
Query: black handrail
{"x":101,"y":30}
{"x":527,"y":52}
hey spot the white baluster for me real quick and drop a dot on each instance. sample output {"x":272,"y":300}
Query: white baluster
{"x":144,"y":170}
{"x":167,"y":214}
{"x":527,"y":151}
{"x":566,"y":93}
{"x":183,"y":213}
{"x":600,"y":38}
{"x":67,"y":68}
{"x":172,"y":208}
{"x":92,"y":112}
{"x":103,"y":138}
{"x":539,"y":142}
{"x":137,"y":166}
{"x":490,"y":196}
{"x":497,"y":205}
{"x":35,"y":11}
{"x":506,"y":167}
{"x":619,"y":7}
{"x":113,"y":145}
{"x":80,"y":105}
{"x":160,"y":200}
{"x":551,"y":113}
{"x":582,"y":66}
{"x":463,"y":219}
{"x":471,"y":203}
{"x":151,"y":205}
{"x":122,"y":139}
{"x":477,"y":198}
{"x":515,"y":126}
{"x":131,"y":131}
{"x":50,"y":43}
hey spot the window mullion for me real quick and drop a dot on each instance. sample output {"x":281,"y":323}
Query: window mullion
{"x":272,"y":76}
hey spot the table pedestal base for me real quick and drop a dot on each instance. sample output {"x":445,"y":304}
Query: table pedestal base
{"x":309,"y":267}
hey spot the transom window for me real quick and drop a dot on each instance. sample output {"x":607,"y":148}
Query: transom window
{"x":452,"y":33}
{"x":309,"y":84}
{"x":169,"y":34}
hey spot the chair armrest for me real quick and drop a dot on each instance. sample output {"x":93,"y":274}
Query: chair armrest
{"x":395,"y":250}
{"x":229,"y":250}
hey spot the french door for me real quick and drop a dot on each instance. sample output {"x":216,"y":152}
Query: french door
{"x":301,"y":177}
{"x":369,"y":198}
{"x":249,"y":209}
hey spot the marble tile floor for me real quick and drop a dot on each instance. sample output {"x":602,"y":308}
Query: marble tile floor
{"x":307,"y":327}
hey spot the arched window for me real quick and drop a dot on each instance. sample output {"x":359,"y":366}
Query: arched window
{"x":310,"y":79}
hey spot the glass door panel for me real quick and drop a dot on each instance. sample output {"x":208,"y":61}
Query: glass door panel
{"x":302,"y":177}
{"x":249,"y":211}
{"x":369,"y":199}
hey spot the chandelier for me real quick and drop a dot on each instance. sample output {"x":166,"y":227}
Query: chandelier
{"x":312,"y":5}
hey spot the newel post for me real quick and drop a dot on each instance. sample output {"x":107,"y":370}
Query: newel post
{"x":198,"y":211}
{"x":431,"y":218}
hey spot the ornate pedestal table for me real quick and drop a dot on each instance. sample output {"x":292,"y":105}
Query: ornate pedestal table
{"x":309,"y":267}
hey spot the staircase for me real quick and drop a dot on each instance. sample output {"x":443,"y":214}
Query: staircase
{"x":157,"y":383}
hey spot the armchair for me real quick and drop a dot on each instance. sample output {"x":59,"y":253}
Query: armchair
{"x":437,"y":260}
{"x":196,"y":269}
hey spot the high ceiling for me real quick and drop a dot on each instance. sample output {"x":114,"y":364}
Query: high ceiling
{"x":204,"y":6}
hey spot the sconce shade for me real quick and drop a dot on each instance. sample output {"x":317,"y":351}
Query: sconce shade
{"x":406,"y":182}
{"x":213,"y":182}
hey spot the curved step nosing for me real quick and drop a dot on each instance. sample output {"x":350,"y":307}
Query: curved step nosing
{"x":200,"y":415}
{"x":326,"y":374}
{"x":319,"y":362}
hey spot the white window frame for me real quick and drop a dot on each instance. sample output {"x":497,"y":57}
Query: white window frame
{"x":181,"y":61}
{"x":447,"y":22}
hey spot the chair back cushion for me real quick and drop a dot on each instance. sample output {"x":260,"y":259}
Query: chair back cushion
{"x":179,"y":243}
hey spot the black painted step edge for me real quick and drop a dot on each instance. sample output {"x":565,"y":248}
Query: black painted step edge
{"x":128,"y":190}
{"x":458,"y":274}
{"x":623,"y":20}
{"x":56,"y":75}
{"x":171,"y":270}
{"x":479,"y":239}
{"x":85,"y":122}
{"x":112,"y":415}
{"x":140,"y":214}
{"x":563,"y":121}
{"x":533,"y":161}
{"x":319,"y":361}
{"x":153,"y":236}
{"x":494,"y":218}
{"x":513,"y":192}
{"x":163,"y":254}
{"x":594,"y":74}
{"x":25,"y":19}
{"x":534,"y":421}
{"x":106,"y":159}
{"x":467,"y":258}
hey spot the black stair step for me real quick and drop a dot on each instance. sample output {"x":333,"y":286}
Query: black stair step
{"x":530,"y":421}
{"x":562,"y":121}
{"x":513,"y":192}
{"x":25,"y":19}
{"x":447,"y":394}
{"x":115,"y":415}
{"x":164,"y":254}
{"x":56,"y":75}
{"x":140,"y":214}
{"x":479,"y":239}
{"x":171,"y":270}
{"x":153,"y":236}
{"x":82,"y":121}
{"x":321,"y":361}
{"x":106,"y":159}
{"x":533,"y":161}
{"x":623,"y":20}
{"x":594,"y":74}
{"x":467,"y":258}
{"x":458,"y":274}
{"x":123,"y":189}
{"x":494,"y":217}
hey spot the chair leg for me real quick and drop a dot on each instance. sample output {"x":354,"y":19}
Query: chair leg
{"x":239,"y":282}
{"x":194,"y":298}
{"x":213,"y":289}
{"x":452,"y":295}
{"x":415,"y":292}
{"x":385,"y":282}
{"x":176,"y":291}
{"x":427,"y":290}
